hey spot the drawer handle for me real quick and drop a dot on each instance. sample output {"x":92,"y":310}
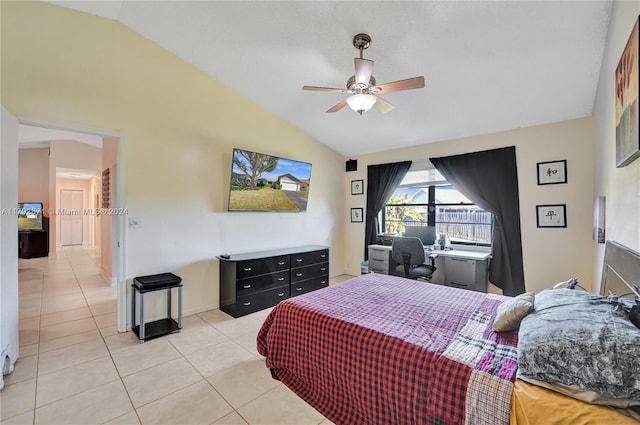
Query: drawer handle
{"x":323,"y":281}
{"x":375,"y":259}
{"x":281,"y":263}
{"x":281,"y":294}
{"x":299,"y":260}
{"x":298,"y":289}
{"x":281,"y":279}
{"x":323,"y":269}
{"x":247,"y":269}
{"x":298,"y":274}
{"x":323,"y":255}
{"x":246,"y":303}
{"x":247,"y":286}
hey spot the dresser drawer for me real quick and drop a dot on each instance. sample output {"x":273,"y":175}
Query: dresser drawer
{"x":250,"y":285}
{"x":309,"y":285}
{"x":379,"y":260}
{"x":261,"y":266}
{"x":309,"y":272}
{"x":261,"y":300}
{"x":306,"y":258}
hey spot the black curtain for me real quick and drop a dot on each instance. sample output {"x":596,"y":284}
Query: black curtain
{"x":490,"y":180}
{"x":382,"y":181}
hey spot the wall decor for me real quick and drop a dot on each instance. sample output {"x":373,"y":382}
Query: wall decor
{"x":106,"y":188}
{"x":551,"y":215}
{"x":627,"y":140}
{"x":357,"y":187}
{"x":552,"y":172}
{"x":356,"y":215}
{"x":599,"y":219}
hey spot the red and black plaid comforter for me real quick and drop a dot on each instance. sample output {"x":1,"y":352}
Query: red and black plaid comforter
{"x":385,"y":350}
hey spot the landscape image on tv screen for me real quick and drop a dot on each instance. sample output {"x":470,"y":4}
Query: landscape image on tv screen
{"x":30,"y":216}
{"x":261,"y":182}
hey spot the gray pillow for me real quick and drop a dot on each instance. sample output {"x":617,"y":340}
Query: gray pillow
{"x":512,"y":311}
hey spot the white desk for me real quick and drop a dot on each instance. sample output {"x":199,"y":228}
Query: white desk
{"x":459,"y":268}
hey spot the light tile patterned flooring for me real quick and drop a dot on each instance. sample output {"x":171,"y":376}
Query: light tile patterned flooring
{"x":75,"y":368}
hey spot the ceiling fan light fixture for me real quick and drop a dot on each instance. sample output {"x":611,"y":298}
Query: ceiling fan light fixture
{"x":361,"y":103}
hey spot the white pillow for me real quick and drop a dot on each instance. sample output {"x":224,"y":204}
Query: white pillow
{"x":512,"y":311}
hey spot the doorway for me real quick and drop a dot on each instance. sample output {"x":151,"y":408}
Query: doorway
{"x":81,"y":222}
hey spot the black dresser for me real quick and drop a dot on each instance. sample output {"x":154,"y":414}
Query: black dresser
{"x":254,"y":281}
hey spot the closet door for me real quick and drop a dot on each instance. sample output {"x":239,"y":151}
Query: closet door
{"x":71,"y":217}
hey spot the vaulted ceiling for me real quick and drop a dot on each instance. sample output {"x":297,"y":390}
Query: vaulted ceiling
{"x":488,"y":66}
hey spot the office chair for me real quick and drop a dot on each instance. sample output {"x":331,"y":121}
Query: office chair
{"x":409,"y":254}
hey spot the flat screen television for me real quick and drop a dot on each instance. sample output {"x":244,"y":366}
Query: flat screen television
{"x":261,"y":182}
{"x":30,"y":216}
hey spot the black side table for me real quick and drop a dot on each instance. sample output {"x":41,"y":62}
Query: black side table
{"x":156,"y":282}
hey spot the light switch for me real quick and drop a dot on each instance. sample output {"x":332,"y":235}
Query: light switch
{"x":135,"y":223}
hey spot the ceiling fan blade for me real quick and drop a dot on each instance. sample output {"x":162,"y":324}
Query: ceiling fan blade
{"x":364,"y":68}
{"x":336,"y":108}
{"x":313,"y":88}
{"x":382,"y":105}
{"x":408,"y":84}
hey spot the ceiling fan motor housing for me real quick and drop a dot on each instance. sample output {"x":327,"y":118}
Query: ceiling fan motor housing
{"x":352,"y":87}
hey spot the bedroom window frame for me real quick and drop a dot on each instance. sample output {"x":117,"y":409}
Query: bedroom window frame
{"x":433,"y":206}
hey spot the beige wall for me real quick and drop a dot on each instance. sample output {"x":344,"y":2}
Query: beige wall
{"x":621,"y":186}
{"x":109,"y":160}
{"x":33,"y":176}
{"x":179,"y":128}
{"x":550,"y":255}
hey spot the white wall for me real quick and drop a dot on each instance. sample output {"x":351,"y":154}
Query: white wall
{"x":550,"y":255}
{"x":621,"y":186}
{"x":8,"y":241}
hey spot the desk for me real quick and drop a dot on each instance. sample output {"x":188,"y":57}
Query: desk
{"x":458,"y":268}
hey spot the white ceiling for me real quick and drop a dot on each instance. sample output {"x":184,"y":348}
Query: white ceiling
{"x":30,"y":136}
{"x":489,"y":66}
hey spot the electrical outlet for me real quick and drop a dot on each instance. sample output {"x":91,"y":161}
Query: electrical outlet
{"x":135,"y":223}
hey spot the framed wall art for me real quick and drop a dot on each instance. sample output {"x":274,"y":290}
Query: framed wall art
{"x":356,"y":215}
{"x":551,"y":215}
{"x":552,"y":172}
{"x":627,"y":138}
{"x":357,"y":187}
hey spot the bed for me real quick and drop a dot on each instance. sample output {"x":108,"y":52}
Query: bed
{"x":380,"y":349}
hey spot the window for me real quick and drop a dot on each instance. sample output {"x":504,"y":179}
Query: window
{"x":424,"y":198}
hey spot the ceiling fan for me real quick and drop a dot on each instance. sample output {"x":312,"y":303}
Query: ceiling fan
{"x":362,"y":86}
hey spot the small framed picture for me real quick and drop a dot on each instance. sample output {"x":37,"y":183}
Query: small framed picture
{"x":357,"y":187}
{"x":552,"y":172}
{"x":551,"y":215}
{"x":356,"y":215}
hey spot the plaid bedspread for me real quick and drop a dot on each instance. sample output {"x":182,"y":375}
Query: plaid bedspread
{"x":385,"y":350}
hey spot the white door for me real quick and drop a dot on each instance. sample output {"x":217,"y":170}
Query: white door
{"x":71,"y":217}
{"x":9,"y":327}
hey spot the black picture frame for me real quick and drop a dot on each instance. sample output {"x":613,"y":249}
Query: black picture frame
{"x":552,"y":172}
{"x":551,"y":215}
{"x":357,"y":215}
{"x":357,"y":187}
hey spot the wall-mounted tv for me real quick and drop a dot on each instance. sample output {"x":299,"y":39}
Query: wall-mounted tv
{"x":30,"y":216}
{"x":261,"y":182}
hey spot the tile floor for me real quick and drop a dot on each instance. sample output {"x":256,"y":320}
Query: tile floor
{"x":75,"y":368}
